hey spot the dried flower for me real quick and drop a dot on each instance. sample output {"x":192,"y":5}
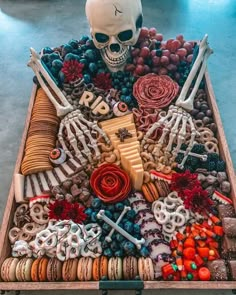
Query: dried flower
{"x":76,"y":213}
{"x":61,"y":210}
{"x":197,"y":199}
{"x":58,"y":209}
{"x":184,"y":181}
{"x":103,"y":81}
{"x":72,"y":70}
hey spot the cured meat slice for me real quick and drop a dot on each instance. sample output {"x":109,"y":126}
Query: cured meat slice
{"x":153,"y":91}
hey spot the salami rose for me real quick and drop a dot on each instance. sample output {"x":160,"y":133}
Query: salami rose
{"x":110,"y":183}
{"x":153,"y":91}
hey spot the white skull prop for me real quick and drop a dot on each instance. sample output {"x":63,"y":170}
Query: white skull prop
{"x":115,"y":26}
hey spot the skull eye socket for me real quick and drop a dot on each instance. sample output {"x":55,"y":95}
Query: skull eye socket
{"x":101,"y":38}
{"x":125,"y":35}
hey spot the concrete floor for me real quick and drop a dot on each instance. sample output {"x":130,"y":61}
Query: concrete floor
{"x":43,"y":23}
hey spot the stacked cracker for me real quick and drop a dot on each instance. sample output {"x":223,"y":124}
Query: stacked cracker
{"x":41,"y":137}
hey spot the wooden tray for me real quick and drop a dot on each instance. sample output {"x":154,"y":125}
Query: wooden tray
{"x":5,"y":248}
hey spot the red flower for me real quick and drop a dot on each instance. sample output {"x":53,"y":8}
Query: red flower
{"x":76,"y":213}
{"x":72,"y":70}
{"x":183,"y":181}
{"x":103,"y":81}
{"x":110,"y":183}
{"x":197,"y":200}
{"x":58,"y":209}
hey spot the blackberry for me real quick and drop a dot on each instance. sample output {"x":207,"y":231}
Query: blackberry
{"x":220,"y":166}
{"x":179,"y":158}
{"x":198,"y":149}
{"x":194,"y":162}
{"x":211,"y":166}
{"x":190,"y":168}
{"x":213,"y":157}
{"x":184,"y":146}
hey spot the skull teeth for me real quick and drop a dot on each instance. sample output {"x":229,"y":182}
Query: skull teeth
{"x":115,"y":61}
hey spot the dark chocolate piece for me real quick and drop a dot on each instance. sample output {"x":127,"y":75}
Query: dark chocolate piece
{"x":218,"y":270}
{"x":232,"y":269}
{"x":229,"y":248}
{"x":229,"y":225}
{"x":226,"y":211}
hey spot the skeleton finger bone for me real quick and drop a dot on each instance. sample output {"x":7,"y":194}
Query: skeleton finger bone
{"x":138,"y":243}
{"x":38,"y":68}
{"x":125,"y":210}
{"x":202,"y":157}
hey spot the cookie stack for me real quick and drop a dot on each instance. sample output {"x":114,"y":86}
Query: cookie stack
{"x":41,"y":135}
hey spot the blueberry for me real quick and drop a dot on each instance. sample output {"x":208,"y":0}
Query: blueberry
{"x":129,"y":247}
{"x":106,"y":227}
{"x":131,"y":214}
{"x":104,"y":243}
{"x":83,"y":39}
{"x":88,"y":211}
{"x":70,"y":56}
{"x":45,"y":58}
{"x":53,"y":56}
{"x":108,"y":252}
{"x":136,"y":228}
{"x":87,"y":78}
{"x":84,"y":61}
{"x":119,"y":253}
{"x":119,"y":238}
{"x":66,"y":48}
{"x":89,"y":54}
{"x":144,"y":251}
{"x":128,"y":226}
{"x":116,"y":215}
{"x":57,"y":63}
{"x":100,"y":64}
{"x":124,"y":90}
{"x":114,"y":246}
{"x":110,"y":208}
{"x":73,"y":43}
{"x":96,"y":203}
{"x":93,"y":67}
{"x":47,"y":50}
{"x":119,"y":206}
{"x":61,"y":76}
{"x":120,"y":74}
{"x":108,"y":214}
{"x":94,"y":217}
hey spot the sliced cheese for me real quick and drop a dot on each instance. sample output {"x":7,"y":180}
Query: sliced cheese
{"x":127,"y":118}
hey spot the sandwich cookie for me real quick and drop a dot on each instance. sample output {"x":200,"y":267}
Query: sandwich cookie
{"x":84,"y":270}
{"x":103,"y":267}
{"x":54,"y":270}
{"x":115,"y":268}
{"x":150,"y":192}
{"x":69,"y":270}
{"x":34,"y":270}
{"x":8,"y":269}
{"x":96,"y":269}
{"x":23,"y":270}
{"x":145,"y":269}
{"x":130,"y":268}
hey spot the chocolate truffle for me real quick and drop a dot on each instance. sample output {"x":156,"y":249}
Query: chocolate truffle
{"x":226,"y":211}
{"x":229,"y":248}
{"x":218,"y":270}
{"x":232,"y":269}
{"x":229,"y":225}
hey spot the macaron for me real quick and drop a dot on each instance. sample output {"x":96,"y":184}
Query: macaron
{"x":23,"y":270}
{"x":96,"y":269}
{"x":130,"y":268}
{"x":69,"y":269}
{"x":103,"y":266}
{"x":54,"y":270}
{"x":34,"y":270}
{"x":145,"y":269}
{"x":84,"y":270}
{"x":150,"y":192}
{"x":115,"y":268}
{"x":8,"y":269}
{"x":42,"y":269}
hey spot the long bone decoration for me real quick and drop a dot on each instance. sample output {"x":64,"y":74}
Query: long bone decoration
{"x":176,"y":120}
{"x":138,"y":243}
{"x":125,"y":210}
{"x":39,"y":70}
